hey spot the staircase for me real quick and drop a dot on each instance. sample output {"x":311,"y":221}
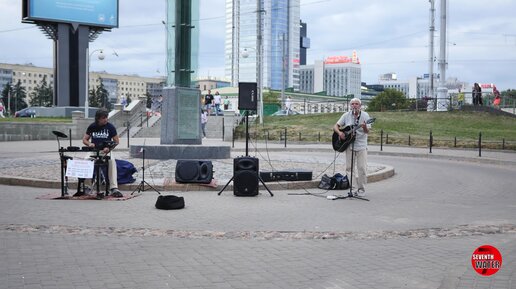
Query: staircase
{"x":216,"y":127}
{"x":151,"y":128}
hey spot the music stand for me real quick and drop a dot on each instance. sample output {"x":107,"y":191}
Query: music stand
{"x":141,"y":186}
{"x":63,"y":159}
{"x":247,"y":154}
{"x":350,"y":193}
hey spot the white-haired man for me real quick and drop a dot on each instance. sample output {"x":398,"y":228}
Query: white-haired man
{"x":356,"y":118}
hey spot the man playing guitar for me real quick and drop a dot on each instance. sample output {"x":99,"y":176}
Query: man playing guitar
{"x":357,"y":120}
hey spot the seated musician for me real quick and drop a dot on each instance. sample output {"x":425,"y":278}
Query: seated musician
{"x":96,"y":136}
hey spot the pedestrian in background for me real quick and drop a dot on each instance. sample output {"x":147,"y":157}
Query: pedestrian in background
{"x":497,"y":99}
{"x":204,"y":120}
{"x":460,"y":98}
{"x":123,"y":102}
{"x":217,"y":101}
{"x":288,"y":104}
{"x":208,"y":101}
{"x":226,"y":103}
{"x":476,"y":93}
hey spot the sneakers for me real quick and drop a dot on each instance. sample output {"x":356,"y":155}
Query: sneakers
{"x":360,"y":193}
{"x":115,"y":193}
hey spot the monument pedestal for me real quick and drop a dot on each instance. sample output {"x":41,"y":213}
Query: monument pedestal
{"x":181,"y":117}
{"x":181,"y":129}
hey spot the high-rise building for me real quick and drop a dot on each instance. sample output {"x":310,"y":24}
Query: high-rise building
{"x":304,"y":43}
{"x":280,"y":42}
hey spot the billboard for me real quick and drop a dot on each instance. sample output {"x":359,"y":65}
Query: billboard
{"x":342,"y":59}
{"x":101,"y":13}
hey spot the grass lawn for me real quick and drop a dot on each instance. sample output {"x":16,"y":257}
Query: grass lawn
{"x":445,"y":127}
{"x":37,"y":119}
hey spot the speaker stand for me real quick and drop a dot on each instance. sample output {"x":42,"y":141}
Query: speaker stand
{"x":260,"y":178}
{"x":263,"y":183}
{"x":246,"y":154}
{"x":230,"y":180}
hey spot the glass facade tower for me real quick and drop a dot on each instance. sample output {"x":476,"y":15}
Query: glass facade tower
{"x":280,"y":42}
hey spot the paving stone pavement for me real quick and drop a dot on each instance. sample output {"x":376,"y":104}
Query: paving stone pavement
{"x":418,"y":231}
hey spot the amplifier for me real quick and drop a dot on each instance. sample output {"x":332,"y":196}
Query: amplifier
{"x":291,"y":175}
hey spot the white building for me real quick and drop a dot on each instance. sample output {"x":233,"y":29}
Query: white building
{"x":118,"y":86}
{"x":337,"y":76}
{"x":418,"y":87}
{"x":280,"y":42}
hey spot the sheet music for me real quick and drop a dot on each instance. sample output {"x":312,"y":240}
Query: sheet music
{"x":79,"y":168}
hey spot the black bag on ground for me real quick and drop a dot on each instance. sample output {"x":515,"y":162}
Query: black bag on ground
{"x":337,"y":182}
{"x":341,"y":182}
{"x":326,"y":183}
{"x":170,"y":202}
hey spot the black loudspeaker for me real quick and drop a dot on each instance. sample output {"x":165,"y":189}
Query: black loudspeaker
{"x":245,"y":176}
{"x":194,"y":171}
{"x":247,"y":96}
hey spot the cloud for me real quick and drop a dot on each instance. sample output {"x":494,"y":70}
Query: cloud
{"x":389,"y":36}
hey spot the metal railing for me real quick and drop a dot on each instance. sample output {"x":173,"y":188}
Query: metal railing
{"x":383,"y":138}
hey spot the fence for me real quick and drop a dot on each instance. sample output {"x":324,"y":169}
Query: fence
{"x":381,"y":138}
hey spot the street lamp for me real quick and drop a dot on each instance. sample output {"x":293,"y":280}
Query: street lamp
{"x":101,"y":56}
{"x":9,"y":92}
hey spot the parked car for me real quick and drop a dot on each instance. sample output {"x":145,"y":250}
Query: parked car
{"x":284,"y":112}
{"x":26,"y":112}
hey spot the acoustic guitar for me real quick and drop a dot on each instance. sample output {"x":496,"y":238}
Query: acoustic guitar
{"x":349,"y":130}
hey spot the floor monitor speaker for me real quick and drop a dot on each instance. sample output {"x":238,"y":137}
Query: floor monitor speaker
{"x":245,"y":173}
{"x":194,"y":171}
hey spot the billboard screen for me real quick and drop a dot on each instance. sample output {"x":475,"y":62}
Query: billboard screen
{"x":103,"y":13}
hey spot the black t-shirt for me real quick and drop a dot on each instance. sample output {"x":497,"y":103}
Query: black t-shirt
{"x":208,"y":99}
{"x":100,"y":134}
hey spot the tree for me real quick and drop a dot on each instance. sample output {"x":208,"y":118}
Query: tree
{"x":43,"y":94}
{"x":271,"y":97}
{"x":509,"y":93}
{"x":389,"y":99}
{"x":18,"y":96}
{"x":99,"y":96}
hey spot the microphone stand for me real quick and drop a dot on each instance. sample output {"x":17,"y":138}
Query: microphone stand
{"x":350,"y":193}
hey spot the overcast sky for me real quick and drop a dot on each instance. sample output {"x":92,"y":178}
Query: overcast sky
{"x":389,"y":36}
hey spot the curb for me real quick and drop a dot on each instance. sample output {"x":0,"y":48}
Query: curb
{"x":384,"y":173}
{"x":445,"y":157}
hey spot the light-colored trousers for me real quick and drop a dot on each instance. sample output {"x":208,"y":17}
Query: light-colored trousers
{"x":112,"y":171}
{"x":359,"y":170}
